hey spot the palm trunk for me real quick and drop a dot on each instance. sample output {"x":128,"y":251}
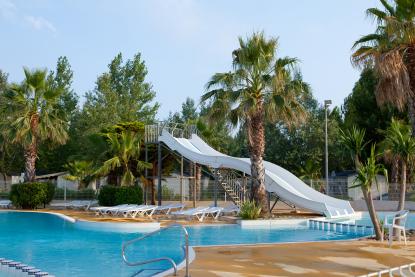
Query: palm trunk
{"x":198,"y":181}
{"x":371,"y":208}
{"x":31,"y":150}
{"x":402,"y":192}
{"x":410,"y":65}
{"x":256,"y":146}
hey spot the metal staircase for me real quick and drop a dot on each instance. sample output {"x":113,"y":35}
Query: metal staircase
{"x":233,"y":185}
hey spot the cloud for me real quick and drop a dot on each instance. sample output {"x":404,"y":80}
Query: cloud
{"x":7,"y":9}
{"x":39,"y":23}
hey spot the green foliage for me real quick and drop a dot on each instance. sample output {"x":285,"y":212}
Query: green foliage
{"x":112,"y":195}
{"x":368,"y":172}
{"x":360,"y":108}
{"x":124,"y":150}
{"x":122,"y":93}
{"x":249,"y":210}
{"x":80,"y":171}
{"x":31,"y":195}
{"x":354,"y":141}
{"x":311,"y":170}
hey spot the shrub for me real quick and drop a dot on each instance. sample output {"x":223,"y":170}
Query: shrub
{"x":112,"y":195}
{"x":30,"y":195}
{"x":129,"y":195}
{"x":106,"y":196}
{"x":50,"y":192}
{"x":249,"y":210}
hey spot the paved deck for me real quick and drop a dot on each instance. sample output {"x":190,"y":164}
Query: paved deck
{"x":351,"y":258}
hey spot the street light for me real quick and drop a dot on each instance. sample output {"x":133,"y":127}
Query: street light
{"x":327,"y":103}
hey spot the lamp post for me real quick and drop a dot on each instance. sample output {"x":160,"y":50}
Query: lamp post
{"x":327,"y":103}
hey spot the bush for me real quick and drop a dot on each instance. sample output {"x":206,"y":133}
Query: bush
{"x":30,"y":195}
{"x":50,"y":192}
{"x":112,"y":195}
{"x":249,"y":210}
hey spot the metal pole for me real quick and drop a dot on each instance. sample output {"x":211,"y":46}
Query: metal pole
{"x":181,"y":181}
{"x":145,"y":173}
{"x":215,"y":189}
{"x":326,"y":105}
{"x":194,"y":185}
{"x":159,"y":172}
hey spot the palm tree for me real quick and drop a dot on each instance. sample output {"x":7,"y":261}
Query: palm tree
{"x":400,"y":145}
{"x":366,"y":177}
{"x":260,"y":88}
{"x":34,"y":116}
{"x":354,"y":141}
{"x":81,"y":172}
{"x":391,"y":50}
{"x":124,"y":150}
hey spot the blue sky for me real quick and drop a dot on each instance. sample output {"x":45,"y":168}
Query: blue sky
{"x":182,"y":41}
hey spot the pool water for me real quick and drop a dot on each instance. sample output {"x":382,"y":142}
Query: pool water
{"x":364,"y":219}
{"x":59,"y":247}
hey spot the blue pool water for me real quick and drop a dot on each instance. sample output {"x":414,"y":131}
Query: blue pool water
{"x":365,"y":219}
{"x":61,"y":248}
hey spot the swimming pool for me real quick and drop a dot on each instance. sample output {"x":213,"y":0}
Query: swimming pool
{"x":61,"y":248}
{"x":363,"y":218}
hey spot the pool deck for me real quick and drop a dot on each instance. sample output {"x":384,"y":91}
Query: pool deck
{"x":347,"y":258}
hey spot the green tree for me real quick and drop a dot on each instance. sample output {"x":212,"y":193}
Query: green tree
{"x":189,"y":110}
{"x":52,"y":158}
{"x":361,"y":110}
{"x":354,"y":141}
{"x":121,"y":94}
{"x":391,"y":49}
{"x":124,"y":149}
{"x":34,"y":116}
{"x":260,"y":87}
{"x":366,"y":177}
{"x":81,"y":172}
{"x":400,"y":145}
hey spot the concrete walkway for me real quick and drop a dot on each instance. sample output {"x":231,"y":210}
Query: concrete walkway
{"x":351,"y":258}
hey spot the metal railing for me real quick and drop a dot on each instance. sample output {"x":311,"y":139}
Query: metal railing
{"x":152,"y":132}
{"x":170,"y":260}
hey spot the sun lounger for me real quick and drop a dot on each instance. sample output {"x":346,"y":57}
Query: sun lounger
{"x":200,"y":213}
{"x":146,"y":210}
{"x":167,"y":209}
{"x":231,"y":209}
{"x":122,"y":210}
{"x":5,"y":204}
{"x":102,"y":210}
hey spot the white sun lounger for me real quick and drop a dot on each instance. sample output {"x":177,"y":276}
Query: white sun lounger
{"x":167,"y":209}
{"x":200,"y":212}
{"x":5,"y":204}
{"x":231,"y":209}
{"x":147,"y":210}
{"x":103,"y":210}
{"x":122,"y":210}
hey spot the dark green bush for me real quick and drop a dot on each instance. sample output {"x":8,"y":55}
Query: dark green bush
{"x":29,"y":195}
{"x":50,"y":192}
{"x":112,"y":195}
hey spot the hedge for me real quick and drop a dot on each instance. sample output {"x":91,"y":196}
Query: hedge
{"x":31,"y":195}
{"x":112,"y":195}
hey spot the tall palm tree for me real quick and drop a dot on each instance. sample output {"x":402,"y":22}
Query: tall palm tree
{"x":124,"y":151}
{"x":34,"y":116}
{"x":400,"y":145}
{"x":391,"y":50}
{"x":366,"y":177}
{"x":259,"y":88}
{"x":354,"y":141}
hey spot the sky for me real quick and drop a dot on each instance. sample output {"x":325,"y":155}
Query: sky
{"x":183,"y":42}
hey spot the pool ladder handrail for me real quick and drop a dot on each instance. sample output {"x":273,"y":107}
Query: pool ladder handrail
{"x":170,"y":260}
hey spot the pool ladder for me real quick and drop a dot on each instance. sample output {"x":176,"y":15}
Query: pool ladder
{"x":170,"y":260}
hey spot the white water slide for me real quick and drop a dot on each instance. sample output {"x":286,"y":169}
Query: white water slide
{"x":278,"y":180}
